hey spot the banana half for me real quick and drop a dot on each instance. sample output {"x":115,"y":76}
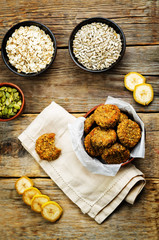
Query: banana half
{"x":132,"y":79}
{"x":143,"y":93}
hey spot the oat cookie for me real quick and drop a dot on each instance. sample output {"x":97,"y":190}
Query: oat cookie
{"x":116,"y":154}
{"x":122,"y":117}
{"x":129,"y":133}
{"x":94,"y":152}
{"x":107,"y":115}
{"x":45,"y":147}
{"x":88,"y":123}
{"x":103,"y":138}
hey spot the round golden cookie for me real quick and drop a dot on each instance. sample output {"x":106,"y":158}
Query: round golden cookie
{"x":88,"y":123}
{"x":129,"y":133}
{"x":45,"y":147}
{"x":116,"y":154}
{"x":122,"y":117}
{"x":94,"y":152}
{"x":103,"y":138}
{"x":107,"y":116}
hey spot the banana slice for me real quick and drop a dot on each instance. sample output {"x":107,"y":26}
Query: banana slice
{"x":132,"y":79}
{"x":51,"y":211}
{"x":29,"y":193}
{"x":23,"y":183}
{"x":38,"y":201}
{"x":143,"y":93}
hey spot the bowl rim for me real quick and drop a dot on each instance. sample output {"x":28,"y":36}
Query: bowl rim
{"x":91,"y":20}
{"x":9,"y":33}
{"x":89,"y":113}
{"x":23,"y":101}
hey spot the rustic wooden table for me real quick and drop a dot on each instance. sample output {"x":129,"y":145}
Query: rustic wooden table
{"x":78,"y":91}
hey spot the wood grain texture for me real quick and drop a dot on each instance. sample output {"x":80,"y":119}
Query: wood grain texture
{"x":78,"y":90}
{"x":15,"y":161}
{"x":138,"y":19}
{"x":18,"y":221}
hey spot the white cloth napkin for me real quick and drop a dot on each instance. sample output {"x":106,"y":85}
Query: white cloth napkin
{"x":94,"y":194}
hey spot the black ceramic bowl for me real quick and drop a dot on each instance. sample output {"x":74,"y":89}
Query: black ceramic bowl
{"x":110,"y":24}
{"x":9,"y":33}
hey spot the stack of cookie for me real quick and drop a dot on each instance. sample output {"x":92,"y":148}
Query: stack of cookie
{"x":110,"y":134}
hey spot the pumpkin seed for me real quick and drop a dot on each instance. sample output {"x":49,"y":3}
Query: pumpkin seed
{"x":14,"y":110}
{"x":3,"y":99}
{"x":1,"y":93}
{"x":9,"y":110}
{"x":3,"y":88}
{"x":9,"y":89}
{"x":12,"y":114}
{"x":16,"y":106}
{"x":14,"y":90}
{"x":19,"y":103}
{"x":5,"y":110}
{"x":11,"y":105}
{"x":7,"y":95}
{"x":7,"y":102}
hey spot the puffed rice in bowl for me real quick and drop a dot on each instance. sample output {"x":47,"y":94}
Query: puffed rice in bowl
{"x":29,"y":48}
{"x":97,"y":44}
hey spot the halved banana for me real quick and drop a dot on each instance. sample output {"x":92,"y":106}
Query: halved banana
{"x":132,"y":79}
{"x":38,"y":201}
{"x":51,"y":211}
{"x":29,"y":193}
{"x":143,"y":93}
{"x":23,"y":183}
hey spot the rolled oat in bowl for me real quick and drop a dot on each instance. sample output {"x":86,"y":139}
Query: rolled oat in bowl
{"x":97,"y":46}
{"x":29,"y":49}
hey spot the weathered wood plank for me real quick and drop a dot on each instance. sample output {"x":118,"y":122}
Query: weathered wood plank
{"x":138,"y":19}
{"x":78,"y":90}
{"x":18,"y":221}
{"x":15,"y":161}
